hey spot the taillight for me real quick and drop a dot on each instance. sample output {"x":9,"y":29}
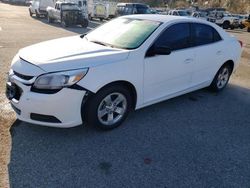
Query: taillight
{"x":241,"y":43}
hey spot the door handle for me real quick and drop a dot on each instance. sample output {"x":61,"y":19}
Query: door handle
{"x":189,"y":60}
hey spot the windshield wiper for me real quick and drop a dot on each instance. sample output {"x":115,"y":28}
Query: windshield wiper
{"x":83,"y":35}
{"x":99,"y":42}
{"x":108,"y":45}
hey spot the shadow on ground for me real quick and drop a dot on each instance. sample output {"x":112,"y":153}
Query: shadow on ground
{"x":201,"y":139}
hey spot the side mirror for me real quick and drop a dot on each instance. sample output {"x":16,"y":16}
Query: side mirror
{"x":158,"y":50}
{"x":162,"y":50}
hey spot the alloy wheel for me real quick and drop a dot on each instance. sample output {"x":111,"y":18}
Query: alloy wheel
{"x":112,"y":108}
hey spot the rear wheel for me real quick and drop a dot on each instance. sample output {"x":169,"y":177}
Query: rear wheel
{"x":109,"y":107}
{"x":226,"y":25}
{"x":221,"y":78}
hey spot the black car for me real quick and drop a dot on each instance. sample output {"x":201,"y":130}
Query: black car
{"x":132,"y":8}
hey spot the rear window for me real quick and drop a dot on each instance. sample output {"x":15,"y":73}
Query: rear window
{"x":204,"y":34}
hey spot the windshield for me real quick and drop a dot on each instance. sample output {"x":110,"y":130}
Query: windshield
{"x":143,"y":10}
{"x":69,"y":7}
{"x":123,"y":33}
{"x":183,"y":13}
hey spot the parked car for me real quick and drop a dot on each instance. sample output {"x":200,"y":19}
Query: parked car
{"x":132,"y":8}
{"x":242,"y":19}
{"x":247,"y":23}
{"x":142,"y":60}
{"x":67,"y":13}
{"x":98,"y":10}
{"x":178,"y":13}
{"x":200,"y":15}
{"x":39,"y":7}
{"x":223,"y":19}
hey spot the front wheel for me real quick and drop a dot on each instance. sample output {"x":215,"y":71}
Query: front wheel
{"x":37,"y":14}
{"x":50,"y":20}
{"x":30,"y":13}
{"x":85,"y":23}
{"x":109,"y":107}
{"x":226,"y":25}
{"x":64,"y":23}
{"x":221,"y":78}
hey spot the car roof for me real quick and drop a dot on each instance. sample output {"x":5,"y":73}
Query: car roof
{"x":173,"y":19}
{"x":158,"y":18}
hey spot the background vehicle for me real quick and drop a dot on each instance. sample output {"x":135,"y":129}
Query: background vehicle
{"x":178,"y":13}
{"x":200,"y":15}
{"x":67,"y":13}
{"x":223,"y":19}
{"x":39,"y":7}
{"x":132,"y":8}
{"x":101,"y":9}
{"x":98,"y":10}
{"x":247,"y":23}
{"x":83,"y":5}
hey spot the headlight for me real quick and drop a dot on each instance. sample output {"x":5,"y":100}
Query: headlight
{"x":59,"y":80}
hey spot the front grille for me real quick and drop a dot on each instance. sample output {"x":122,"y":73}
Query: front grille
{"x":44,"y":118}
{"x":25,"y":77}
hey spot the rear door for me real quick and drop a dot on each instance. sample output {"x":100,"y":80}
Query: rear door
{"x":209,"y":52}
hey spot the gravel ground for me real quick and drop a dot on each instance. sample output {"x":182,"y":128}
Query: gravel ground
{"x":200,"y":139}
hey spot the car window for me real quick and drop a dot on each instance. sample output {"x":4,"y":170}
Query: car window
{"x":176,"y":37}
{"x":204,"y":34}
{"x":125,"y":33}
{"x":217,"y":36}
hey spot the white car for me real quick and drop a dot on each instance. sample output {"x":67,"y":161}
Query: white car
{"x":128,"y":63}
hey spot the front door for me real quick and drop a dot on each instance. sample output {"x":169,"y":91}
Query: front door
{"x":166,"y":75}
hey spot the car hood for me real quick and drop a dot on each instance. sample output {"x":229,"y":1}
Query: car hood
{"x":70,"y":53}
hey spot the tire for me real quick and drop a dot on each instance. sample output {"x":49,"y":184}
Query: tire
{"x":85,"y":23}
{"x":232,"y":27}
{"x":109,"y":107}
{"x":50,"y":20}
{"x":37,"y":15}
{"x":30,"y":13}
{"x":248,"y":29}
{"x":64,"y":24}
{"x":226,"y":25}
{"x":221,"y":78}
{"x":101,"y":19}
{"x":242,"y":26}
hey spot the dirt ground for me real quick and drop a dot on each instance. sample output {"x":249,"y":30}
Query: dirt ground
{"x":17,"y":30}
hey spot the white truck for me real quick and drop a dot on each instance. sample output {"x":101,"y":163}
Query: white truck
{"x":223,"y":19}
{"x":67,"y":13}
{"x":101,"y":9}
{"x":38,"y":7}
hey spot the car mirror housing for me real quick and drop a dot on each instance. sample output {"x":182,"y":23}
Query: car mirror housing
{"x":162,"y":50}
{"x":158,"y":50}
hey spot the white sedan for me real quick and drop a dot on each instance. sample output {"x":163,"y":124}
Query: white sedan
{"x":128,"y":63}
